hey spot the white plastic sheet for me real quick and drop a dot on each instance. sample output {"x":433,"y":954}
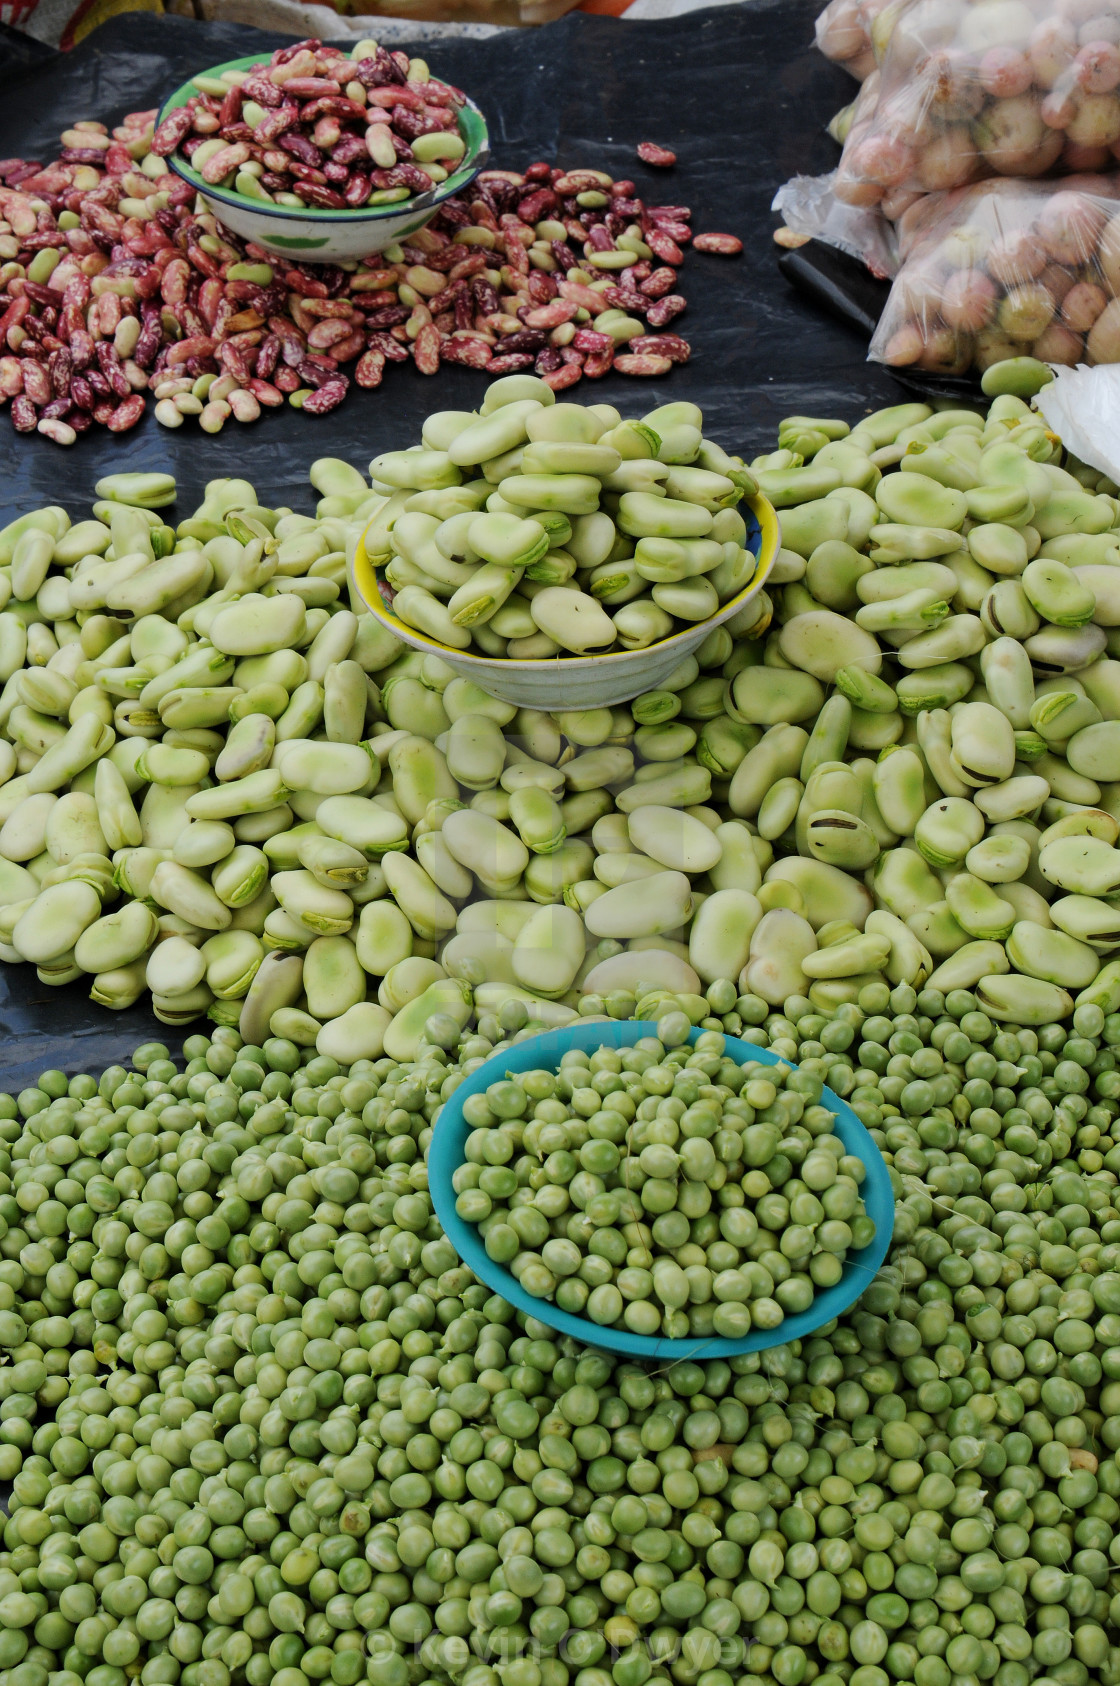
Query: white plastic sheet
{"x":1083,"y":405}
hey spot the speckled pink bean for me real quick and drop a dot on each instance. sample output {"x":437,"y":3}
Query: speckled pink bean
{"x":223,"y":161}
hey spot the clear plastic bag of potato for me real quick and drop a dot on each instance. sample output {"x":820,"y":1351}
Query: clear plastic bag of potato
{"x":997,"y":88}
{"x":1006,"y":269}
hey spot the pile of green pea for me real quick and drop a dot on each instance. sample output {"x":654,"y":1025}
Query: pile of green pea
{"x":664,"y":1189}
{"x":261,"y":1425}
{"x":935,"y":1065}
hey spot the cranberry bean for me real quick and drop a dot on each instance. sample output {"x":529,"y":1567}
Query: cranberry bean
{"x":528,"y":340}
{"x":642,"y":365}
{"x":222,"y":162}
{"x":36,"y":385}
{"x":171,"y":131}
{"x":327,"y":398}
{"x":663,"y":247}
{"x":567,"y":375}
{"x":471,"y":352}
{"x":426,"y":349}
{"x":650,"y":153}
{"x":577,"y":181}
{"x":265,"y":393}
{"x":509,"y":365}
{"x":170,"y":312}
{"x":655,"y":286}
{"x":370,"y":368}
{"x":598,"y":363}
{"x":536,"y":206}
{"x":60,"y":369}
{"x":663,"y":310}
{"x":392,"y":349}
{"x":324,"y":335}
{"x":587,"y":339}
{"x":623,"y":299}
{"x":549,"y":315}
{"x":660,"y":345}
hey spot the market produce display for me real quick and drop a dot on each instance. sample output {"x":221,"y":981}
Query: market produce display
{"x":1006,"y":269}
{"x":327,"y":1452}
{"x":537,"y":529}
{"x":314,"y":126}
{"x":113,"y":284}
{"x":1003,"y":88}
{"x":664,"y":1169}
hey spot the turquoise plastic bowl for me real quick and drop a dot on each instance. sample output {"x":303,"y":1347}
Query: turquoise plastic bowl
{"x":446,"y":1154}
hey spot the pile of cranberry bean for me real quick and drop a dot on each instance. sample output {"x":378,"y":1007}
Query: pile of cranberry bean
{"x":114,"y":282}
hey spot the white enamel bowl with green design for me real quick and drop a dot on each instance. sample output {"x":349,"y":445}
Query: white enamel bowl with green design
{"x":325,"y":236}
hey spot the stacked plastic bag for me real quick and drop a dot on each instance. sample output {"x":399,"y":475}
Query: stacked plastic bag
{"x":985,"y":134}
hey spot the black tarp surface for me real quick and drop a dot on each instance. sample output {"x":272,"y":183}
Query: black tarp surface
{"x":737,"y":91}
{"x":19,"y":53}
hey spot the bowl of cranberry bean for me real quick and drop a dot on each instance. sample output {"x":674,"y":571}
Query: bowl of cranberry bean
{"x":321,"y":154}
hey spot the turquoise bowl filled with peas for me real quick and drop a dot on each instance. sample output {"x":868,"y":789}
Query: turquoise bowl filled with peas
{"x":659,"y":1190}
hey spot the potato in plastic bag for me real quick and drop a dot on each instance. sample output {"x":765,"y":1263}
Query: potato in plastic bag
{"x":1006,"y":269}
{"x":847,"y":31}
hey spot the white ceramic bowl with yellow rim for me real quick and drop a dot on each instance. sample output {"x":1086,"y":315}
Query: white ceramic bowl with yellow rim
{"x":573,"y":682}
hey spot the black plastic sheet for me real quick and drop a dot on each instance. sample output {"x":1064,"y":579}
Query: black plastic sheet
{"x":19,"y":53}
{"x":737,"y":91}
{"x":44,"y":1028}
